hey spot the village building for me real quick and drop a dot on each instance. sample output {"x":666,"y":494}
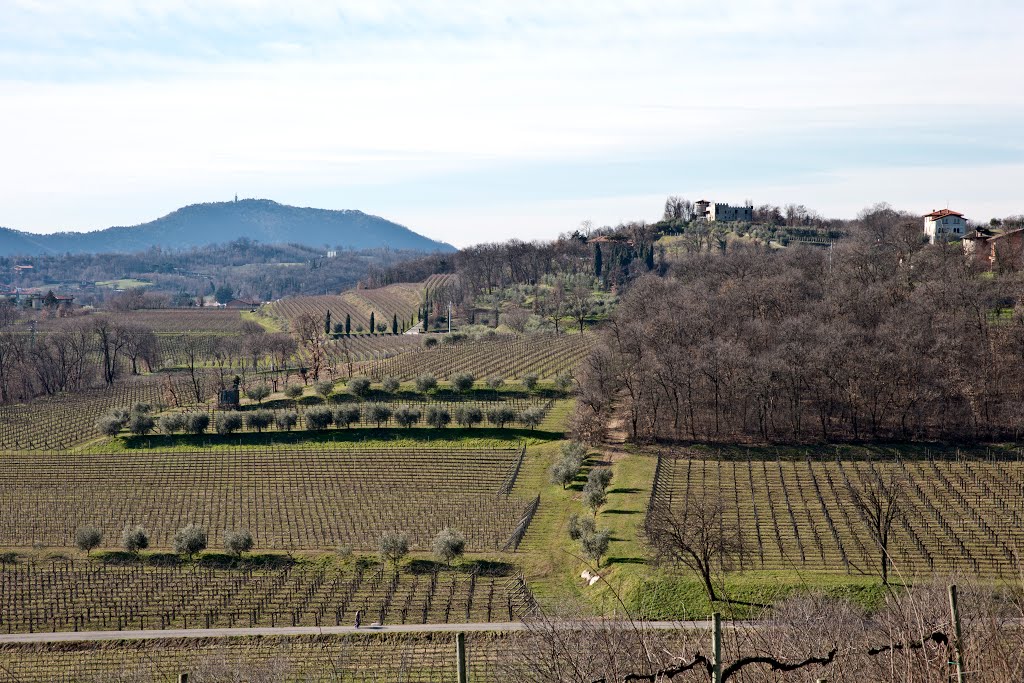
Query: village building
{"x":992,"y":250}
{"x":943,"y":225}
{"x":723,"y":213}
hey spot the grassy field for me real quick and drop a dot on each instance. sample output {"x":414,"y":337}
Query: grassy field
{"x":125,"y":283}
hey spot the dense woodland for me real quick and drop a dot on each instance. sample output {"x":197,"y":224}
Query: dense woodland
{"x":879,"y":337}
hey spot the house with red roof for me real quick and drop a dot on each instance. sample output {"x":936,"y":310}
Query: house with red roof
{"x":944,"y":224}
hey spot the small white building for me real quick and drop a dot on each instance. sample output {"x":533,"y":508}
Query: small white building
{"x":717,"y":211}
{"x":944,"y":224}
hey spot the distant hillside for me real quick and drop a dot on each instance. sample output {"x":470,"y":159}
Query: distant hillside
{"x":201,"y":224}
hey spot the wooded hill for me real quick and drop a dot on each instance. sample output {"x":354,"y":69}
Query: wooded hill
{"x":196,"y":225}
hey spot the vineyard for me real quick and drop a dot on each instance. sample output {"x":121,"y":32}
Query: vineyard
{"x":366,"y":347}
{"x":66,"y":420}
{"x":402,"y":300}
{"x":288,"y":499}
{"x":958,"y":516}
{"x":168,"y":320}
{"x":545,"y":355}
{"x":426,"y":658}
{"x":90,"y":596}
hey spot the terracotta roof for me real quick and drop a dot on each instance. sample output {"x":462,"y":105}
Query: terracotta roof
{"x":942,"y":213}
{"x":1005,"y":234}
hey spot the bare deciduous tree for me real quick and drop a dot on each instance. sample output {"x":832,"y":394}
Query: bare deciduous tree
{"x":696,"y":535}
{"x":879,"y":501}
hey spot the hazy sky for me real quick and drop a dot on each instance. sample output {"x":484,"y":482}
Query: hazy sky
{"x":477,"y":120}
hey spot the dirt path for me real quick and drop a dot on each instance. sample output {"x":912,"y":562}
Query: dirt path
{"x":79,"y":636}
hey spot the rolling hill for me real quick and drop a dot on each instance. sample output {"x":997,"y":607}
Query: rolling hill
{"x":197,"y":225}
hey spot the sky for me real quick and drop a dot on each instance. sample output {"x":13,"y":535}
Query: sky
{"x":483,"y":120}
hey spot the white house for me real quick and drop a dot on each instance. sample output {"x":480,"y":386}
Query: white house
{"x":944,"y":224}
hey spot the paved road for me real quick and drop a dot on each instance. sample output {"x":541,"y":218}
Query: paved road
{"x":77,"y":636}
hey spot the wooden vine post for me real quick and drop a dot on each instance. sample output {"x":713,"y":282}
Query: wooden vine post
{"x":958,"y":656}
{"x":460,"y":657}
{"x":716,"y":648}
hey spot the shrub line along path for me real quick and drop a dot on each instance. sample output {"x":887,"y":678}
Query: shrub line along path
{"x":156,"y":634}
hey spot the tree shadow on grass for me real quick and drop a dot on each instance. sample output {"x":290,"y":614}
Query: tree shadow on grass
{"x":354,"y":435}
{"x":260,"y":561}
{"x":483,"y":567}
{"x":123,"y":558}
{"x":620,"y":512}
{"x":624,"y":490}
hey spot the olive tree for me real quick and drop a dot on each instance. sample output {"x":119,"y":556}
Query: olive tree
{"x":238,"y":542}
{"x":407,"y":416}
{"x":347,"y":416}
{"x":294,"y":391}
{"x":379,"y":413}
{"x":448,"y":545}
{"x":172,"y":422}
{"x":426,"y":382}
{"x":319,"y":417}
{"x":463,"y":382}
{"x":532,"y":417}
{"x":190,"y":540}
{"x":258,"y":392}
{"x":564,"y":472}
{"x":499,"y":417}
{"x":599,"y":478}
{"x":229,"y":422}
{"x":324,"y":388}
{"x":259,"y":419}
{"x":393,"y":547}
{"x":134,"y":539}
{"x":390,"y":385}
{"x":595,"y":544}
{"x":87,"y":538}
{"x":467,"y":416}
{"x":197,"y":423}
{"x":360,"y":386}
{"x":110,"y":425}
{"x":286,"y":420}
{"x":141,"y":423}
{"x":595,"y":499}
{"x":578,"y":526}
{"x":438,"y":417}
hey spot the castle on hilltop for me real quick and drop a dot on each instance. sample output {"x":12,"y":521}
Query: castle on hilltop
{"x":725,"y":213}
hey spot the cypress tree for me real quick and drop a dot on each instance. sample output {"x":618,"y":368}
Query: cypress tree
{"x":394,"y":324}
{"x":327,"y":323}
{"x":348,"y":324}
{"x":373,"y":328}
{"x":598,"y":260}
{"x":649,"y":259}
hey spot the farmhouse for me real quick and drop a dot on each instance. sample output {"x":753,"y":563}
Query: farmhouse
{"x":992,"y":250}
{"x":242,"y":304}
{"x":723,"y":213}
{"x":943,"y":224}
